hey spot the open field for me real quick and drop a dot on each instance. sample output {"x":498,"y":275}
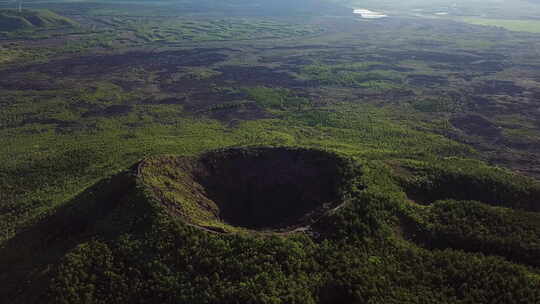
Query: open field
{"x":531,"y":26}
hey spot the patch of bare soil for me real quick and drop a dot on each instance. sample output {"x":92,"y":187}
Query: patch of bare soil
{"x":497,"y":87}
{"x":431,"y":56}
{"x":22,"y":82}
{"x":102,"y":64}
{"x":476,"y":125}
{"x":426,"y":80}
{"x":170,"y":100}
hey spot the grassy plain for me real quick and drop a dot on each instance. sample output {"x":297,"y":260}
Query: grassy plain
{"x":531,"y":26}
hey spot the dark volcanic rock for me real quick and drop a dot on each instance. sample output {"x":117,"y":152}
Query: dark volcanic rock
{"x":476,"y":125}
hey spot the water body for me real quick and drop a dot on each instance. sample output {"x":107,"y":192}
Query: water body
{"x":365,"y":13}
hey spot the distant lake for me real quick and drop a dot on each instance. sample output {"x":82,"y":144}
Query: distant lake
{"x":365,"y":13}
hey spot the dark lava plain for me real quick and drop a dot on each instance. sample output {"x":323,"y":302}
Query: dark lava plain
{"x":480,"y":71}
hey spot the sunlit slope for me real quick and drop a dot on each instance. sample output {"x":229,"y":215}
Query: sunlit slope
{"x":12,"y":20}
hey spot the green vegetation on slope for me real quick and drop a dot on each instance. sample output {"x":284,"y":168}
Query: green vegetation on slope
{"x":116,"y":243}
{"x":470,"y":180}
{"x":12,"y":20}
{"x":476,"y":227}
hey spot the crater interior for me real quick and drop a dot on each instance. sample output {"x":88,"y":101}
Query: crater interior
{"x":255,"y":188}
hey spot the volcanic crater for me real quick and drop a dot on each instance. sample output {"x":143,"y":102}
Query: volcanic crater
{"x":268,"y":189}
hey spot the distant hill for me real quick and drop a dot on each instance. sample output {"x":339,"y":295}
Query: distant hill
{"x":257,"y":7}
{"x":12,"y":20}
